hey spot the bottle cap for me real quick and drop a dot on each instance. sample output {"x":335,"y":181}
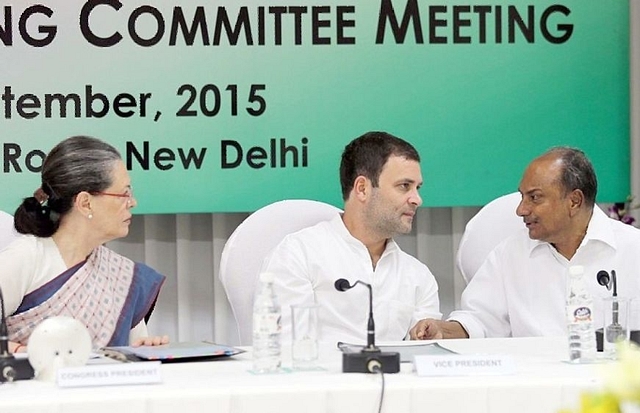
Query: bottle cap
{"x":576,"y":270}
{"x":267,"y":277}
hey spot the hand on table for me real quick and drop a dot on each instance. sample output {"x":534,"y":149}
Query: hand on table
{"x":427,"y":329}
{"x":150,"y":341}
{"x":431,"y":329}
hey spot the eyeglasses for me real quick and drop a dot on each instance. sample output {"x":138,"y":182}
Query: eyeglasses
{"x":128,"y":194}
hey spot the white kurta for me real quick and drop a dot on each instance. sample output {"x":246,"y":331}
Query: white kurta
{"x":27,"y":264}
{"x":520,"y":290}
{"x":306,"y":265}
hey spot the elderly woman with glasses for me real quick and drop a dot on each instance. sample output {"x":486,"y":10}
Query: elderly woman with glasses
{"x":60,"y":265}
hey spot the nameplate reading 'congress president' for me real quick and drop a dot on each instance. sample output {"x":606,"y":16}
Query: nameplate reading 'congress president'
{"x":147,"y":372}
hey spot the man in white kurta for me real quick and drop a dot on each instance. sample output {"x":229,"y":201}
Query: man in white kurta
{"x":520,"y":290}
{"x":308,"y":263}
{"x":380,"y":177}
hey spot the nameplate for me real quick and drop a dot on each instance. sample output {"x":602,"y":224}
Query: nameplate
{"x":464,"y":365}
{"x":147,"y":372}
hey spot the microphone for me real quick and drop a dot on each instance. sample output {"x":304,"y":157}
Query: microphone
{"x":610,"y":282}
{"x":10,"y":368}
{"x":613,"y":331}
{"x":604,"y":279}
{"x":343,"y":285}
{"x":370,"y":359}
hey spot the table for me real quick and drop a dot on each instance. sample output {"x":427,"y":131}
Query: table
{"x":543,"y":383}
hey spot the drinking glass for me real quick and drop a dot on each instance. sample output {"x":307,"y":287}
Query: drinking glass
{"x":304,"y":319}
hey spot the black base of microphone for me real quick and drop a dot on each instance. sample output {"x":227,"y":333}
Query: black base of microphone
{"x":635,"y":337}
{"x":12,"y":369}
{"x":369,"y":361}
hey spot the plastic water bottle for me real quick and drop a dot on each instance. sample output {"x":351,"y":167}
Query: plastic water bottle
{"x":266,"y":328}
{"x":582,"y":339}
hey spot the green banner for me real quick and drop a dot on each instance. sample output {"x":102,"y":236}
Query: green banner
{"x":222,"y":106}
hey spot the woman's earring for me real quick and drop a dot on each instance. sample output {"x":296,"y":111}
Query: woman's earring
{"x":90,"y":216}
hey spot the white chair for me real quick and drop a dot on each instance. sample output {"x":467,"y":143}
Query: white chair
{"x":495,"y":222}
{"x":7,"y":232}
{"x":249,"y":244}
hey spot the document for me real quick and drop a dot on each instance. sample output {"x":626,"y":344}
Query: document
{"x":407,"y":349}
{"x":172,"y":352}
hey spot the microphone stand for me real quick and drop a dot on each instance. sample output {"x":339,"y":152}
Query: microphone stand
{"x":614,"y":331}
{"x":370,"y":359}
{"x":371,"y":327}
{"x":615,"y":306}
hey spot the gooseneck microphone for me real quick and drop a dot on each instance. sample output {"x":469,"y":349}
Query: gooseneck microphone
{"x":343,"y":285}
{"x":10,"y":368}
{"x":611,"y":283}
{"x":614,"y":331}
{"x":370,"y":359}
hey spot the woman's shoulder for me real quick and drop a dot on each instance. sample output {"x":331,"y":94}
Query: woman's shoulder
{"x":36,"y":259}
{"x":23,"y":243}
{"x":19,"y":260}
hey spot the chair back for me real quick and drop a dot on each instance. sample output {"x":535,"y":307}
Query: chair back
{"x":495,"y":222}
{"x":7,"y":232}
{"x":250,"y":243}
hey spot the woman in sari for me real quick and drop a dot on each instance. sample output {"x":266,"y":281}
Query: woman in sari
{"x":59,"y":266}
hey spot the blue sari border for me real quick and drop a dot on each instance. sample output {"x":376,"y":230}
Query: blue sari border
{"x":46,"y":291}
{"x":143,"y":293}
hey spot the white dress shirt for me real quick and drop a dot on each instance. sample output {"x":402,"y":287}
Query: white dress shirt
{"x":306,"y":265}
{"x":520,"y":289}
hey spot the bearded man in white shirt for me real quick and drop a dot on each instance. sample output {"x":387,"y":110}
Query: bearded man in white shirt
{"x":380,"y":177}
{"x":520,"y":289}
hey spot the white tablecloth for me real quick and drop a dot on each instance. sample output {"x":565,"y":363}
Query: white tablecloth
{"x":544,"y":382}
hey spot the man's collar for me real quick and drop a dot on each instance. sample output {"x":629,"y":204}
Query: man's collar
{"x":599,"y":229}
{"x":342,"y":229}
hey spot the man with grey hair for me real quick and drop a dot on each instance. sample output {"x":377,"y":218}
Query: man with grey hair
{"x":520,"y":289}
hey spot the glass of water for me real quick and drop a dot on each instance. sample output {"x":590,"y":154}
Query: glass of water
{"x":304,"y":319}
